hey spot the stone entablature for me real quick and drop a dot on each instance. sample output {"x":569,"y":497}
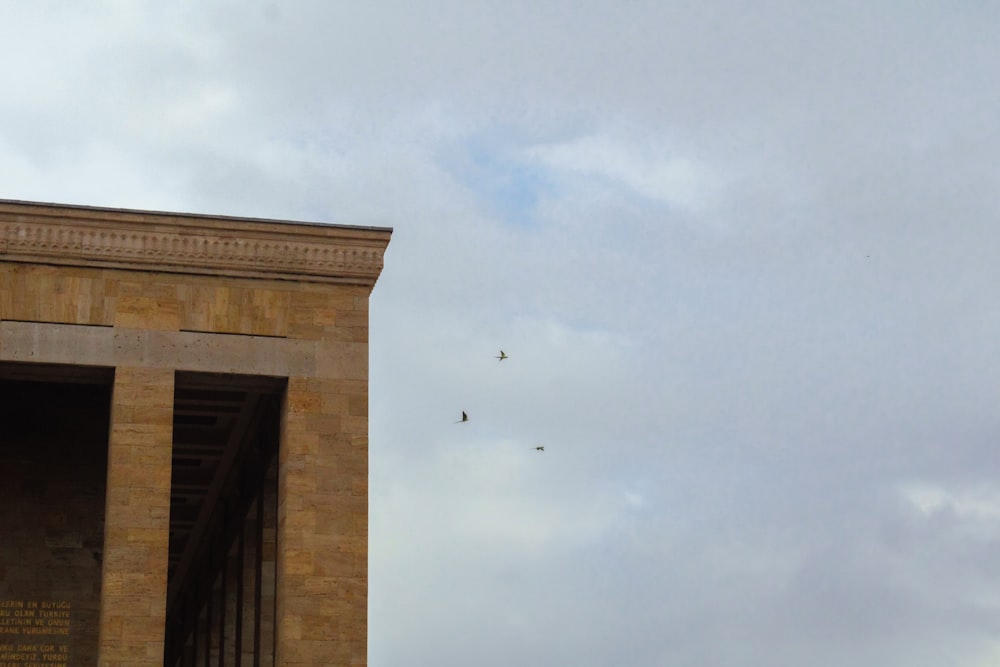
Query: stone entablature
{"x":190,"y":243}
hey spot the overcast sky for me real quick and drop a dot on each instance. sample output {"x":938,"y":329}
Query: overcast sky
{"x":742,"y":257}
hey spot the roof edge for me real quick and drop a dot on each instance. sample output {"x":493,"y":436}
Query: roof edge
{"x":133,"y":239}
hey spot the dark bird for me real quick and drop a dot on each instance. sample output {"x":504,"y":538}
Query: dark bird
{"x":464,"y":418}
{"x":539,"y":448}
{"x":502,"y":355}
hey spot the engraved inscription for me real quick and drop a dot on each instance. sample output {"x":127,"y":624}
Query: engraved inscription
{"x":34,"y":632}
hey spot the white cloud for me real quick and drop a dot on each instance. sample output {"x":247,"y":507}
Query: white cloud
{"x":651,"y":171}
{"x":975,"y":507}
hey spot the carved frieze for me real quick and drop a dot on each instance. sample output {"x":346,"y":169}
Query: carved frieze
{"x":186,"y":243}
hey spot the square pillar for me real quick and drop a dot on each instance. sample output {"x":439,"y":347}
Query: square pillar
{"x":322,"y":559}
{"x":137,"y":519}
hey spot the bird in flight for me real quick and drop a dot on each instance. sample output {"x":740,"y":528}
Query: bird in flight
{"x":464,"y":418}
{"x":502,"y":355}
{"x":540,"y":448}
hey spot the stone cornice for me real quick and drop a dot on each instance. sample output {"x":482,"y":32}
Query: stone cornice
{"x":190,"y":243}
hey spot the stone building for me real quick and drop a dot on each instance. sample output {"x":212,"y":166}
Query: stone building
{"x":183,"y":438}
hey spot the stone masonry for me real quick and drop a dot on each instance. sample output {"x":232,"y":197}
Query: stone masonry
{"x":150,"y":294}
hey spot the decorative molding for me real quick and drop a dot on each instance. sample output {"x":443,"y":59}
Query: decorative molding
{"x":187,"y":243}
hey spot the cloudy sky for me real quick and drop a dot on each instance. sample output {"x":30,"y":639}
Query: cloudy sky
{"x":742,"y":256}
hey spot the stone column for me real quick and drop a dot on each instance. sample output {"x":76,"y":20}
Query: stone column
{"x":323,"y":525}
{"x":137,"y":515}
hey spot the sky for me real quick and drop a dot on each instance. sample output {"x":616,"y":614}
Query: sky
{"x":742,"y":258}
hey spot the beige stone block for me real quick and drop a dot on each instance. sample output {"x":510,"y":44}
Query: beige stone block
{"x":356,"y":424}
{"x":358,"y":405}
{"x":322,"y":423}
{"x":333,"y":403}
{"x":298,"y":483}
{"x":125,"y":559}
{"x":115,"y":496}
{"x":153,"y":538}
{"x":302,"y":401}
{"x":337,"y":483}
{"x":305,"y":330}
{"x":340,"y":563}
{"x":297,"y":561}
{"x":128,"y":436}
{"x":351,"y":319}
{"x":147,"y":312}
{"x":342,"y":595}
{"x":345,"y":386}
{"x":341,"y":523}
{"x":138,"y":628}
{"x":309,"y":300}
{"x":347,"y":593}
{"x":343,"y":361}
{"x":298,"y":652}
{"x":149,"y":495}
{"x":301,"y":523}
{"x":129,"y":285}
{"x":113,"y":584}
{"x":150,"y":456}
{"x":291,"y":627}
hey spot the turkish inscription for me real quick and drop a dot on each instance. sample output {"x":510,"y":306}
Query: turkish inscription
{"x":34,"y":633}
